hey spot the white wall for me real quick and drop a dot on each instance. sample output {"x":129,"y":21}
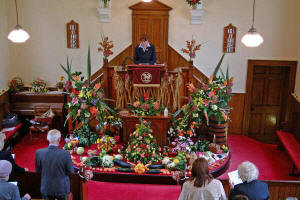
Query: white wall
{"x":4,"y":53}
{"x":46,"y":21}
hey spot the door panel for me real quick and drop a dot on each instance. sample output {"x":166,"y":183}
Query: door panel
{"x":267,"y":95}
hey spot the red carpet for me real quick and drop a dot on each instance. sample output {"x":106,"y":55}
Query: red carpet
{"x":273,"y":165}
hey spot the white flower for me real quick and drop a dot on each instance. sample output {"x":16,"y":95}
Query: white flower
{"x":107,"y":161}
{"x":119,"y":157}
{"x":166,"y":160}
{"x":171,"y":165}
{"x":195,"y":115}
{"x":214,"y":107}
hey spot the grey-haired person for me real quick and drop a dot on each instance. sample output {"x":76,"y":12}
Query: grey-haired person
{"x":55,"y":166}
{"x":251,"y":187}
{"x":8,"y":190}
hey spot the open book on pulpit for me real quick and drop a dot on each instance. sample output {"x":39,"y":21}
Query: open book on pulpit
{"x":146,"y":75}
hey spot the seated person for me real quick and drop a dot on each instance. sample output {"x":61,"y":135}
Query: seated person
{"x":6,"y":155}
{"x":201,"y":185}
{"x":8,"y":190}
{"x":251,"y":187}
{"x":145,"y":52}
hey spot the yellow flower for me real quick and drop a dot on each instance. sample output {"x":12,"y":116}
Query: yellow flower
{"x":176,"y":161}
{"x":89,"y":94}
{"x":69,"y":145}
{"x":81,"y":94}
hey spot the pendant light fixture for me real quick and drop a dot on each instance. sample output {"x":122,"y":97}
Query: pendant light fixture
{"x":147,"y":0}
{"x":18,"y":35}
{"x":252,"y":38}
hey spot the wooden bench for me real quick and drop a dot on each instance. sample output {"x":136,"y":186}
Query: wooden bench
{"x":293,"y":149}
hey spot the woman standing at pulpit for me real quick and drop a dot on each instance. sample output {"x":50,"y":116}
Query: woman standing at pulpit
{"x":145,"y":52}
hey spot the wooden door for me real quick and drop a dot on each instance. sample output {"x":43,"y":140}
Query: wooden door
{"x":151,"y":19}
{"x":268,"y":96}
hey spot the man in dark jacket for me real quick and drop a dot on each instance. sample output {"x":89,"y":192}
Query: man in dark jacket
{"x":55,"y":166}
{"x":145,"y":52}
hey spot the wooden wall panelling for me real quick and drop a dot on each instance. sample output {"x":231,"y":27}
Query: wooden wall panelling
{"x":151,"y":19}
{"x":4,"y":106}
{"x":175,"y":60}
{"x":119,"y":59}
{"x":236,"y":115}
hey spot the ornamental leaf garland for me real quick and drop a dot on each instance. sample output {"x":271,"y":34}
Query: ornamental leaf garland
{"x":142,"y":146}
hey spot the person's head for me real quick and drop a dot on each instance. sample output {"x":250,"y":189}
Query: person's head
{"x":5,"y":169}
{"x":2,"y":138}
{"x":248,"y":171}
{"x":200,"y":172}
{"x":144,"y":40}
{"x":54,"y":136}
{"x":240,"y":197}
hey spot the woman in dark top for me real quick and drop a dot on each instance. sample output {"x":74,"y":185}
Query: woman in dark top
{"x":251,"y":187}
{"x":6,"y":155}
{"x":145,"y":52}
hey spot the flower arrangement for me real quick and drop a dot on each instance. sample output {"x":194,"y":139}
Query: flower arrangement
{"x":106,"y":47}
{"x":86,"y":101}
{"x":60,"y":85}
{"x":142,"y":146}
{"x":191,"y":49}
{"x":39,"y":86}
{"x":16,"y":85}
{"x":106,"y":143}
{"x":146,"y":106}
{"x":112,"y":125}
{"x":193,"y":2}
{"x":181,"y":144}
{"x":211,"y":99}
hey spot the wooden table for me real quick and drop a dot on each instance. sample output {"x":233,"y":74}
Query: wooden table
{"x":159,"y":124}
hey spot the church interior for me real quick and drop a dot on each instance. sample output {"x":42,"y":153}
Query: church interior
{"x":140,"y":90}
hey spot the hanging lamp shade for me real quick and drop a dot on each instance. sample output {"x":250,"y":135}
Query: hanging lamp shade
{"x":18,"y":35}
{"x":147,"y":0}
{"x":252,"y":38}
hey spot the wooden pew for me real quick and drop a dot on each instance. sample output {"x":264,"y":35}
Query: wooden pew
{"x":30,"y":182}
{"x":24,"y":103}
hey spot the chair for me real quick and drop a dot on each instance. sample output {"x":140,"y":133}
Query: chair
{"x":40,"y":122}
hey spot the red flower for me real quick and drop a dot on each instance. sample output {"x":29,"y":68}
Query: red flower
{"x":146,"y":96}
{"x":93,"y":110}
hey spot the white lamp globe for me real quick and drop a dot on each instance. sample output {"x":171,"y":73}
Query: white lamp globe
{"x":147,"y":0}
{"x":252,"y":38}
{"x":18,"y":35}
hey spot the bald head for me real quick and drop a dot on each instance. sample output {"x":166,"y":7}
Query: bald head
{"x":54,"y":136}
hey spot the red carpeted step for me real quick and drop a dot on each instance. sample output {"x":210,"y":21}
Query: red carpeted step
{"x":123,"y":191}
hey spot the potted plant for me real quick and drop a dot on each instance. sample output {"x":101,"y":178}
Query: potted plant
{"x":191,"y":49}
{"x":60,"y":85}
{"x":39,"y":86}
{"x":210,"y":103}
{"x":105,"y":47}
